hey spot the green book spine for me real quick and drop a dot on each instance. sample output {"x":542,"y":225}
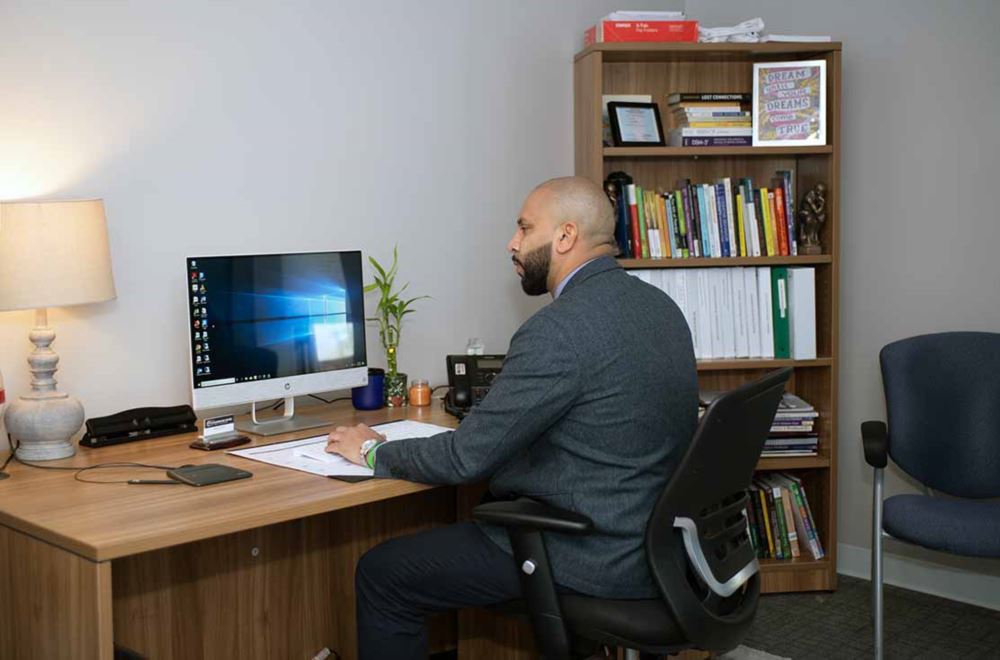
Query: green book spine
{"x":779,"y":509}
{"x":779,"y":307}
{"x":640,"y":202}
{"x":682,"y":221}
{"x":772,"y":513}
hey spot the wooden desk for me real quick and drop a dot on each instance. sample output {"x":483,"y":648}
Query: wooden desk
{"x":258,"y":568}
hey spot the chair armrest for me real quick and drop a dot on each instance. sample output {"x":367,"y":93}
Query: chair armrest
{"x":875,"y":438}
{"x":525,"y":519}
{"x":528,"y":513}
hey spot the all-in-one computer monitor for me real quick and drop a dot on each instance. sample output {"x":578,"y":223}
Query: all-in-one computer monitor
{"x":273,"y":326}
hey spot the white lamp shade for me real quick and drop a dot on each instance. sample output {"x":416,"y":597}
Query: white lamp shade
{"x":54,"y":254}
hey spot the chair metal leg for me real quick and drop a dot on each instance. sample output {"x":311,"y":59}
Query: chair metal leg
{"x":877,"y":562}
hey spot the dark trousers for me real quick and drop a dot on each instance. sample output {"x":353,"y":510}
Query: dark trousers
{"x":401,"y":581}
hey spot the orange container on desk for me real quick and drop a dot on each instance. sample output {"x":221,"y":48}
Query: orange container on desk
{"x":420,"y":393}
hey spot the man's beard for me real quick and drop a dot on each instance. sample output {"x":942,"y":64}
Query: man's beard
{"x":535,"y":265}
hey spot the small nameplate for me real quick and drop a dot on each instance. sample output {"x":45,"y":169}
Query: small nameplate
{"x":219,"y":426}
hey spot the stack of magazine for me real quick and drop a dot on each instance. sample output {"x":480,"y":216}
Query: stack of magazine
{"x":793,"y":432}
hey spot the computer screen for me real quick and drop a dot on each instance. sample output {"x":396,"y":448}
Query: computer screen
{"x":271,"y":318}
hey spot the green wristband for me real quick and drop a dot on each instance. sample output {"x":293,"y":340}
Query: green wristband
{"x":370,"y":456}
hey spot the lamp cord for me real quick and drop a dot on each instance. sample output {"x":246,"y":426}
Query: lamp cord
{"x":14,"y":445}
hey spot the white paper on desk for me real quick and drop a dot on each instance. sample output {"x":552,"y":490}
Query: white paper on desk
{"x":310,"y":455}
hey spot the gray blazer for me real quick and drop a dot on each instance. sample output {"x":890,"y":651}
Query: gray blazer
{"x":594,"y":408}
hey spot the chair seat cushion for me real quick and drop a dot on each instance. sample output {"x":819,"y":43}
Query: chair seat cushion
{"x":643,"y":624}
{"x":963,"y":527}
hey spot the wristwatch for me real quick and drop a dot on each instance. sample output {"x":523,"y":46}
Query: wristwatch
{"x":367,"y":451}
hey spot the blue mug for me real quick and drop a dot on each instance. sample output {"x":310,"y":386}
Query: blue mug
{"x":370,"y":396}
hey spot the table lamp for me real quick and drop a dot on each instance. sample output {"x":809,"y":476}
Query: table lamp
{"x":52,"y":254}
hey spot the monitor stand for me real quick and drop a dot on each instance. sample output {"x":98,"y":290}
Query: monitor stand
{"x":284,"y":424}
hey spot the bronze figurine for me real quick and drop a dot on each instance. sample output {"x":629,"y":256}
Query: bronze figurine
{"x":812,"y":215}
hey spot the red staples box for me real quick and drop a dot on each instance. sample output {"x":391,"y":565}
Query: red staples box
{"x":608,"y":31}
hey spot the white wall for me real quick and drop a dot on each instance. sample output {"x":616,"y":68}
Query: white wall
{"x":919,"y":232}
{"x":283,"y":126}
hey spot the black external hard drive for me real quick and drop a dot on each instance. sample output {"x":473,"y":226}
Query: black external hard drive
{"x":207,"y":474}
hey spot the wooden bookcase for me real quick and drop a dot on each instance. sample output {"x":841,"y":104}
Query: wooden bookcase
{"x":659,"y":69}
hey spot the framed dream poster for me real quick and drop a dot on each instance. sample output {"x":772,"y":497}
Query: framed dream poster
{"x":789,"y":103}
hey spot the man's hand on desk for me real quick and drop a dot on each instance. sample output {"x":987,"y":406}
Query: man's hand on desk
{"x":347,"y":440}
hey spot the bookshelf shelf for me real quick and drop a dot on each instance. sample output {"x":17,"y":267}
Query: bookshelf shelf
{"x":727,"y":262}
{"x":793,"y":463}
{"x":682,"y":52}
{"x":751,"y":363}
{"x":667,"y":152}
{"x":768,"y":565}
{"x":660,"y":69}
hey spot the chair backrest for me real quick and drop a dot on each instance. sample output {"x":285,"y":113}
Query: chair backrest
{"x":942,"y":397}
{"x":696,"y":541}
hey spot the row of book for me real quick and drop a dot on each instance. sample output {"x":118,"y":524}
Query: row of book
{"x":710,"y":119}
{"x":779,"y":520}
{"x":744,"y":312}
{"x":793,"y":431}
{"x":728,"y":218}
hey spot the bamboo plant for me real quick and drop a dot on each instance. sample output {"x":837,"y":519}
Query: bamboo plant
{"x":392,"y":309}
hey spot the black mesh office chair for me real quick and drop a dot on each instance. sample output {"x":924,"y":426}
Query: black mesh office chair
{"x":696,"y":543}
{"x":942,"y":395}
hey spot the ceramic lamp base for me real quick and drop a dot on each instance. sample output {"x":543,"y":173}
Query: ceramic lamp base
{"x":43,"y":421}
{"x":43,"y":427}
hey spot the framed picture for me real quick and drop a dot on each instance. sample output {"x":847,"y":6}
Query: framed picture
{"x":789,"y":103}
{"x":635,"y":124}
{"x":618,"y":98}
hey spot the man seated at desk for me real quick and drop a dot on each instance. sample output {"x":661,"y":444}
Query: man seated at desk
{"x":594,"y":408}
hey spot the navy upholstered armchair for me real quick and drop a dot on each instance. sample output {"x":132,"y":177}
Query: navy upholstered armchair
{"x":942,"y":396}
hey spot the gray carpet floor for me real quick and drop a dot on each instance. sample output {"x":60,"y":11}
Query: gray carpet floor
{"x":838,"y":625}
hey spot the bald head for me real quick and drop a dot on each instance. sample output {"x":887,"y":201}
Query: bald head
{"x":581,"y":201}
{"x":563,"y":224}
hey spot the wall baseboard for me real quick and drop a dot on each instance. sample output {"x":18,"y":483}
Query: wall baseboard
{"x":955,"y":578}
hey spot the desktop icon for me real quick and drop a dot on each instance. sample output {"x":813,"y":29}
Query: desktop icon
{"x":204,"y":299}
{"x":199,"y":371}
{"x":197,"y":334}
{"x":204,"y":335}
{"x":205,"y":346}
{"x":201,"y":276}
{"x":197,"y":348}
{"x":208,"y":371}
{"x":204,"y":312}
{"x":194,"y":287}
{"x":201,"y":288}
{"x":194,"y":276}
{"x":194,"y":264}
{"x":206,"y":358}
{"x":197,"y":323}
{"x":197,"y":359}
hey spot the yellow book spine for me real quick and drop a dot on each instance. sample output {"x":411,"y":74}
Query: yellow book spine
{"x":768,"y":224}
{"x":718,"y":124}
{"x":739,"y":222}
{"x":665,"y":235}
{"x":767,"y":522}
{"x":651,"y":223}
